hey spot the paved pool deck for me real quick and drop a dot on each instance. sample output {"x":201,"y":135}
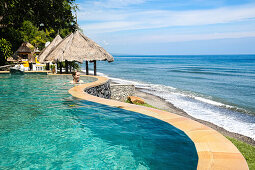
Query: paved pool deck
{"x":215,"y":152}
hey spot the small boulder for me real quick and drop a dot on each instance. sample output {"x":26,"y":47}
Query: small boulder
{"x":134,"y":100}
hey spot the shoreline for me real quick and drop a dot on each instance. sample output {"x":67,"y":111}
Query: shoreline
{"x":209,"y":143}
{"x":162,"y":104}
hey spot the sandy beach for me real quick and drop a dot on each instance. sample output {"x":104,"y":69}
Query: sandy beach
{"x":164,"y":105}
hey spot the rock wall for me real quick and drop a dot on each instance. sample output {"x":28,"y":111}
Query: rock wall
{"x":121,"y":92}
{"x":114,"y":91}
{"x":102,"y":91}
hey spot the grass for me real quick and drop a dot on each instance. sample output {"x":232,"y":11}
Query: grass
{"x":145,"y":104}
{"x":248,"y":151}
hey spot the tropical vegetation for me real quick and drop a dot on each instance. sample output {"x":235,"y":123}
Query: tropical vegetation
{"x":5,"y":50}
{"x":34,"y":21}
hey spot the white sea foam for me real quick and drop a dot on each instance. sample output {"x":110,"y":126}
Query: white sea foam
{"x":91,"y":72}
{"x":218,"y":113}
{"x":230,"y":120}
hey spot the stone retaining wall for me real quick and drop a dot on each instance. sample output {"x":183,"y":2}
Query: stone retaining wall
{"x":121,"y":92}
{"x":102,"y":91}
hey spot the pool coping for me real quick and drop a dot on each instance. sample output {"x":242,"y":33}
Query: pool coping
{"x":213,"y":149}
{"x":27,"y":72}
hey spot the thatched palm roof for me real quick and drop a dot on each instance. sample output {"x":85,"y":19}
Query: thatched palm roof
{"x":78,"y":47}
{"x":26,"y":47}
{"x":49,"y":48}
{"x":15,"y":57}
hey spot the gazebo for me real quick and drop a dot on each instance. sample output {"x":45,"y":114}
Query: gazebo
{"x":77,"y":47}
{"x":26,"y":51}
{"x":49,"y":48}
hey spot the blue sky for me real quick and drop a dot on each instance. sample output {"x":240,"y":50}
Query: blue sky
{"x":170,"y":26}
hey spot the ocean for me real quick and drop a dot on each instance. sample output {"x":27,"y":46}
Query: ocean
{"x":216,"y":88}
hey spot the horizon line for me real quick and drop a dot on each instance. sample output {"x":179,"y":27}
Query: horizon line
{"x":121,"y":54}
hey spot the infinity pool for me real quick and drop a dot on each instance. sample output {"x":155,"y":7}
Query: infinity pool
{"x":42,"y":126}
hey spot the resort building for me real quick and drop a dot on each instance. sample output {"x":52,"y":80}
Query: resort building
{"x":25,"y":58}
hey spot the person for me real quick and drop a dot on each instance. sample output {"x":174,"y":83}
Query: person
{"x":76,"y":77}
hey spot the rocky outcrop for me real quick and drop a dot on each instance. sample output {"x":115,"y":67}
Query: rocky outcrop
{"x":102,"y":91}
{"x":135,"y":100}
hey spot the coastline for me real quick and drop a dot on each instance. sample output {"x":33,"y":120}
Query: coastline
{"x":167,"y":106}
{"x":162,"y":104}
{"x":208,"y":142}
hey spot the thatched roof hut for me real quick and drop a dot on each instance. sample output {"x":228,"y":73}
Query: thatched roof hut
{"x":78,"y":47}
{"x":49,"y":48}
{"x":26,"y":51}
{"x":14,"y":58}
{"x":25,"y":48}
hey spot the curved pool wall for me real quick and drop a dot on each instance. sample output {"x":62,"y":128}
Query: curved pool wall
{"x":152,"y":143}
{"x":43,"y":126}
{"x":213,"y":149}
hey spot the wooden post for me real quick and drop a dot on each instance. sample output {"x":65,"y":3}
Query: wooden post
{"x":47,"y":66}
{"x":60,"y":67}
{"x":87,"y":68}
{"x":71,"y":63}
{"x":66,"y":64}
{"x":95,"y":68}
{"x":30,"y":66}
{"x":57,"y":66}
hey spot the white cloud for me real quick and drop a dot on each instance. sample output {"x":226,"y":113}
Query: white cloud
{"x":101,"y":15}
{"x":104,"y":23}
{"x":113,"y":3}
{"x":121,"y":19}
{"x":107,"y":27}
{"x":166,"y":38}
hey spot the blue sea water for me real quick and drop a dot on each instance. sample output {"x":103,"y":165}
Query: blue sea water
{"x":215,"y":88}
{"x":43,"y":127}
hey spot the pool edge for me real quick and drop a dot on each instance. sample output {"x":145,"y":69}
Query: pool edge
{"x":213,"y":149}
{"x":28,"y":72}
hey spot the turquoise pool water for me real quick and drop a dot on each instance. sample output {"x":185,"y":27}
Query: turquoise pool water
{"x":42,"y":126}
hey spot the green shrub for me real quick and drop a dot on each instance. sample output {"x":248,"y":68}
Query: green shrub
{"x":5,"y":50}
{"x":52,"y":66}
